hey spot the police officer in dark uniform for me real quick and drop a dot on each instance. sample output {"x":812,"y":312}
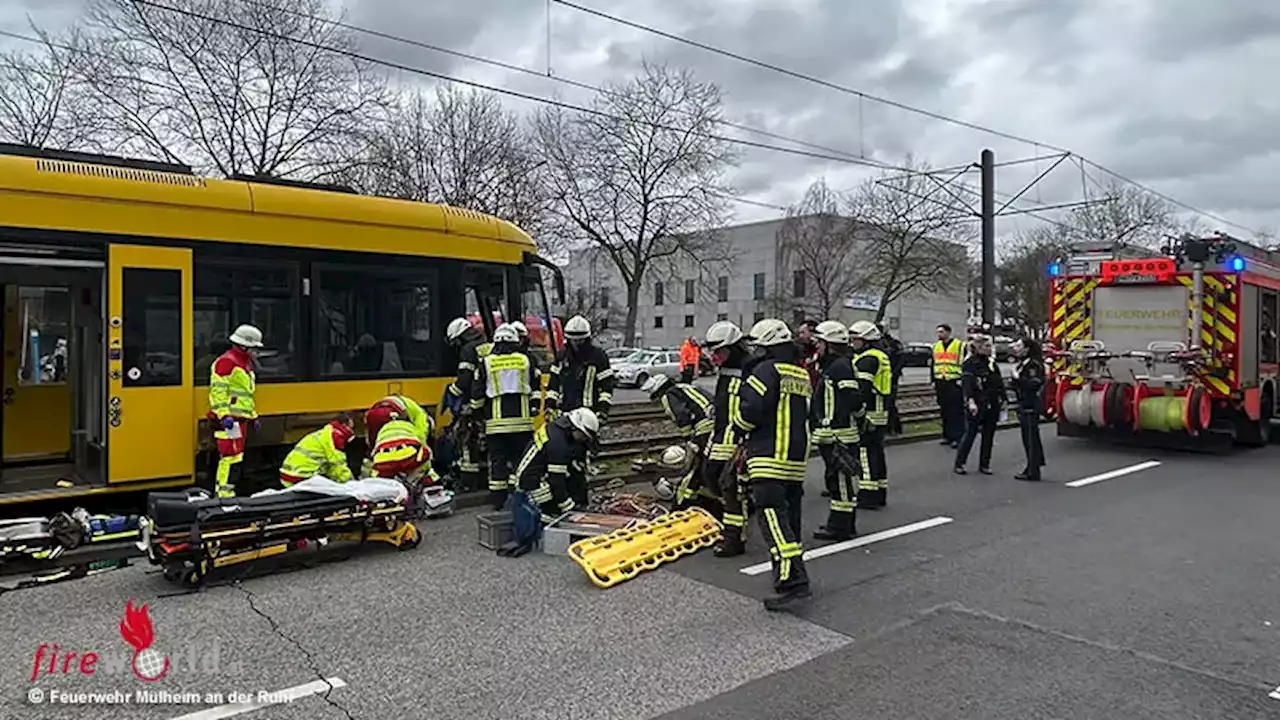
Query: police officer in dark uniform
{"x":733,"y":359}
{"x":691,"y":410}
{"x":834,"y":415}
{"x":1028,"y":384}
{"x":775,"y":417}
{"x":983,"y":389}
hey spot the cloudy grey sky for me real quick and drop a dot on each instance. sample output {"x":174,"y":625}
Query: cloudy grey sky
{"x":1172,"y":93}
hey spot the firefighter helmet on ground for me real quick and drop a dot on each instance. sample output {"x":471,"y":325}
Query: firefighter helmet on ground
{"x":664,"y":489}
{"x":722,"y":334}
{"x":656,"y":384}
{"x":674,"y":458}
{"x":864,"y":330}
{"x":577,"y":328}
{"x":506,"y":334}
{"x":832,"y":332}
{"x":456,"y":328}
{"x":770,"y":332}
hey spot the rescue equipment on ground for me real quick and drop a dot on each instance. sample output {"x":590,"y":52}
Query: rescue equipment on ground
{"x":623,"y":554}
{"x":41,"y":538}
{"x":190,"y":534}
{"x":628,"y":504}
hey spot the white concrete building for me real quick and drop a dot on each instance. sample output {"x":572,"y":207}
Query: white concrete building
{"x":756,"y":285}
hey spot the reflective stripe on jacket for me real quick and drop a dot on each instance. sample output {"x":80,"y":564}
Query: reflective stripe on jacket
{"x":231,"y":385}
{"x":875,"y":375}
{"x":316,"y":454}
{"x":947,"y":358}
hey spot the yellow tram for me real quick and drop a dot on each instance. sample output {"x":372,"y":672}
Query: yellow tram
{"x":123,"y":278}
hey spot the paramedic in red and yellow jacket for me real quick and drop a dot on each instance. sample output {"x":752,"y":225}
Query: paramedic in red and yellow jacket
{"x":231,"y":388}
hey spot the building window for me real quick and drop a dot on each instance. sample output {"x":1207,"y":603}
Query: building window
{"x":153,"y":332}
{"x":757,"y":317}
{"x":759,"y":286}
{"x":797,"y":282}
{"x":657,"y":293}
{"x":688,"y":292}
{"x":230,"y":294}
{"x":657,"y":321}
{"x":722,"y":289}
{"x":373,"y":322}
{"x":604,"y":298}
{"x":688,"y":321}
{"x":722,"y":316}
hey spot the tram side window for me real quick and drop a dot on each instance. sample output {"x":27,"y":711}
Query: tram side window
{"x":42,"y":317}
{"x":374,"y":322}
{"x":1267,"y":351}
{"x":229,"y":294}
{"x":152,"y":316}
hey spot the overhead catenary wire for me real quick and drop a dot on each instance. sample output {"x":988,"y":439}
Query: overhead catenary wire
{"x":941,"y":117}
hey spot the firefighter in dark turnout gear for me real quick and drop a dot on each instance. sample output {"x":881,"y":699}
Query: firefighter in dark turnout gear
{"x":733,"y":360}
{"x":875,"y":377}
{"x":775,"y":417}
{"x":472,"y":348}
{"x":692,"y":412}
{"x":834,"y":416}
{"x":553,"y":468}
{"x":502,"y":398}
{"x":581,"y":376}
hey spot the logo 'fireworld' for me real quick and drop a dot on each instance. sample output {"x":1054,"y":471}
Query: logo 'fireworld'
{"x":148,"y":664}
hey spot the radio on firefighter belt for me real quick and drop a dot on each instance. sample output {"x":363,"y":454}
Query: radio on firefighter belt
{"x":848,"y":461}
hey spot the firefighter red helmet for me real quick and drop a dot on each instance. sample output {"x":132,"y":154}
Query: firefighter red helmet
{"x":382,"y":412}
{"x":342,"y":433}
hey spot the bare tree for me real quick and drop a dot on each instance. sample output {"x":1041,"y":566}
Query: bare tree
{"x":1124,"y":213}
{"x":641,"y":177}
{"x":910,"y":241}
{"x":819,"y":245}
{"x":459,"y":148}
{"x":1024,"y":278}
{"x":43,"y":102}
{"x":226,"y":86}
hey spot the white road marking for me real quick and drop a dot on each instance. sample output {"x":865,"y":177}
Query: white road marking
{"x":1275,"y":694}
{"x":1113,"y":474}
{"x":279,"y":697}
{"x":832,"y":549}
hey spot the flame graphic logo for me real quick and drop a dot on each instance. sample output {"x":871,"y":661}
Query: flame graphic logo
{"x":148,"y":664}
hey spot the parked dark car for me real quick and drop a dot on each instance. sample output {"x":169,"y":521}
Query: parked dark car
{"x":916,"y":354}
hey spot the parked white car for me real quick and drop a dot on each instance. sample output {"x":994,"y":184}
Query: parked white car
{"x":637,"y":368}
{"x":618,"y":354}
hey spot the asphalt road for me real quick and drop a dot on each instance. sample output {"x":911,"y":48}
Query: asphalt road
{"x":1150,"y":594}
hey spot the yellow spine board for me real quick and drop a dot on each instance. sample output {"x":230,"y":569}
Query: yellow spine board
{"x":623,"y":554}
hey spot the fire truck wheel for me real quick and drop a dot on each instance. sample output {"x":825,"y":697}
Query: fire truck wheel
{"x":1256,"y":433}
{"x":1119,"y":397}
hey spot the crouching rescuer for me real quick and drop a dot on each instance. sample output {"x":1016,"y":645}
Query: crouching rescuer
{"x":231,"y":387}
{"x":553,"y":469}
{"x":692,"y":412}
{"x":398,"y":448}
{"x":502,"y":396}
{"x":775,"y":418}
{"x":320,"y":452}
{"x":834,"y":417}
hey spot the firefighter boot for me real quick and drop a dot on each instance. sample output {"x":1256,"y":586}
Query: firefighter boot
{"x":731,"y":544}
{"x":498,"y":499}
{"x":786,"y":597}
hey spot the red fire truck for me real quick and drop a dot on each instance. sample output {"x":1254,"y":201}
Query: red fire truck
{"x":1177,"y":348}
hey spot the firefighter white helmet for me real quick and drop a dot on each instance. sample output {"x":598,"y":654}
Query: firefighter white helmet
{"x":832,"y":332}
{"x":584,"y":420}
{"x":577,"y":328}
{"x":674,"y":457}
{"x":664,"y":489}
{"x":770,"y":332}
{"x":247,"y":336}
{"x":504,"y":333}
{"x":521,"y":330}
{"x":722,"y":334}
{"x":656,"y":384}
{"x":864,"y":330}
{"x":456,"y":327}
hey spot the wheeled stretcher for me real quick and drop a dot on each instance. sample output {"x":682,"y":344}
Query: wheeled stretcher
{"x":190,"y":534}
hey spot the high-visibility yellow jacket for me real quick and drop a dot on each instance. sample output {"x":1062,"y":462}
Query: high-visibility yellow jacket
{"x":315,"y":454}
{"x":947,"y":358}
{"x":875,"y":375}
{"x":414,"y":413}
{"x":231,"y":386}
